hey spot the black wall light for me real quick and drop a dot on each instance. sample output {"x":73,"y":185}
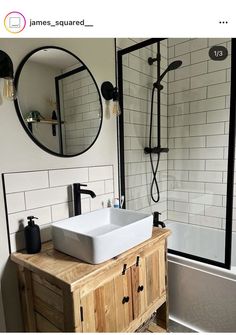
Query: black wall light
{"x":7,"y":73}
{"x":109,"y":92}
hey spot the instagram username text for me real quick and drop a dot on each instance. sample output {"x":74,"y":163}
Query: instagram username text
{"x":61,"y":23}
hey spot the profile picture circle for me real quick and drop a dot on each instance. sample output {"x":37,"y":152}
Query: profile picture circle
{"x":14,"y":22}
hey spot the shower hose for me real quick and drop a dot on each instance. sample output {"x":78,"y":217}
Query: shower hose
{"x":154,"y":183}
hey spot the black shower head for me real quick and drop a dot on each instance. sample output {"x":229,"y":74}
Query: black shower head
{"x":173,"y":66}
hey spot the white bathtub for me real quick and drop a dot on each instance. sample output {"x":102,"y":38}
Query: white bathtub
{"x":201,"y":296}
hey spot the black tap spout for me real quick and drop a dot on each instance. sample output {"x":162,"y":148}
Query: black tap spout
{"x":162,"y":224}
{"x":77,"y":191}
{"x":91,"y":193}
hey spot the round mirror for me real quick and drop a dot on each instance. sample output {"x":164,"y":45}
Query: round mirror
{"x":58,"y":101}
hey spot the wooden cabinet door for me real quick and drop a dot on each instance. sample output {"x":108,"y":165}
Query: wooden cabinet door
{"x":113,"y":305}
{"x":148,"y":279}
{"x":155,"y":274}
{"x":124,"y":309}
{"x":139,"y":289}
{"x":108,"y":308}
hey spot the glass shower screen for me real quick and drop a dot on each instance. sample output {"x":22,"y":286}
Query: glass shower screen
{"x":194,"y":126}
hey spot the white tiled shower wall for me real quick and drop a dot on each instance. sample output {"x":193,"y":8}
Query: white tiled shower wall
{"x":197,"y":106}
{"x":48,"y":195}
{"x":138,"y":79}
{"x":198,"y":115}
{"x":82,"y":111}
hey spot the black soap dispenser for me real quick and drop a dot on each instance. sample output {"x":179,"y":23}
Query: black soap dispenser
{"x":32,"y":236}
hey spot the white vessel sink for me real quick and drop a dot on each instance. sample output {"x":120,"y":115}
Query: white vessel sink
{"x":100,"y":235}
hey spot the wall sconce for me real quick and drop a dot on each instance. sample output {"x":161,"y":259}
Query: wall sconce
{"x":6,"y":72}
{"x":109,"y":92}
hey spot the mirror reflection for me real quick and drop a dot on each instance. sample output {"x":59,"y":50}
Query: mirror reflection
{"x":58,"y":101}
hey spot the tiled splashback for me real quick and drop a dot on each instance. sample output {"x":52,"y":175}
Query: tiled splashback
{"x":47,"y":195}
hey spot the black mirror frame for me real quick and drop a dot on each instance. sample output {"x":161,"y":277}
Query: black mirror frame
{"x":17,"y":105}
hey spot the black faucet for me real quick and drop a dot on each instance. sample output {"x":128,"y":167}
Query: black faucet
{"x":156,"y":222}
{"x":77,"y":191}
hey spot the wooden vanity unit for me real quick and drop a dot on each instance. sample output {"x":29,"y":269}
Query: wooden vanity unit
{"x":60,"y":293}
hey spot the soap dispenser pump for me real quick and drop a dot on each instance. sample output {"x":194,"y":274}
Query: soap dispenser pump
{"x":32,"y":236}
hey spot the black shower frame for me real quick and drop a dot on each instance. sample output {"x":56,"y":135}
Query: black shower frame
{"x":231,"y":150}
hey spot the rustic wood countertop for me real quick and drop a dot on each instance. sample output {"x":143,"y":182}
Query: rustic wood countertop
{"x":70,"y":271}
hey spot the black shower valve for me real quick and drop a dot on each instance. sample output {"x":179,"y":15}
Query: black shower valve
{"x":155,"y":150}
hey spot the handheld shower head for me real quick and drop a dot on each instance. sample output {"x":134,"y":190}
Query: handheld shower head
{"x":172,"y":66}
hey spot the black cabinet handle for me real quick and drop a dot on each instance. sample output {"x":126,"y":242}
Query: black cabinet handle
{"x":125,"y":299}
{"x":124,"y":269}
{"x":140,"y":288}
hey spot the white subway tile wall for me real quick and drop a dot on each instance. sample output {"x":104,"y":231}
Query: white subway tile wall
{"x":195,"y":115}
{"x":138,"y":79}
{"x":81,"y":111}
{"x":48,"y":196}
{"x":198,"y":115}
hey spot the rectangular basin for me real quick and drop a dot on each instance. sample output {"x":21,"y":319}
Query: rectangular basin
{"x":101,"y":235}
